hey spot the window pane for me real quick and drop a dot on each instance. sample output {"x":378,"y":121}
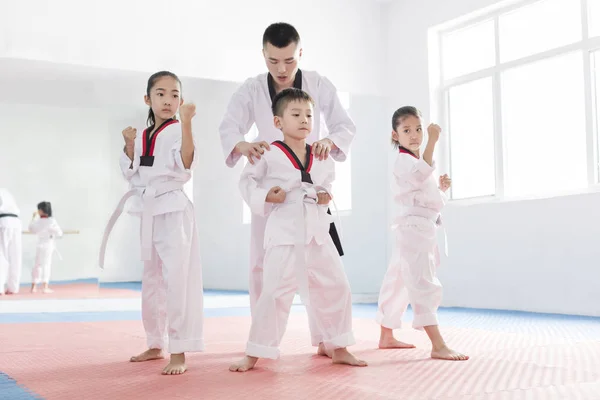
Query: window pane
{"x":342,"y":185}
{"x":544,"y":126}
{"x":596,"y":93}
{"x":471,"y":128}
{"x":594,"y":17}
{"x":458,"y":49}
{"x":538,"y":27}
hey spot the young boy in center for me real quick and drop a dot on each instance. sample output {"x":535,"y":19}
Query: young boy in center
{"x":292,"y":188}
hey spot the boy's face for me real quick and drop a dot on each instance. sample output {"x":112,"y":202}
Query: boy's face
{"x":282,"y":63}
{"x":409,"y":133}
{"x":296,"y":121}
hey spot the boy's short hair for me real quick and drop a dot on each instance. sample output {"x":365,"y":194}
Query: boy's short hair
{"x":286,"y":96}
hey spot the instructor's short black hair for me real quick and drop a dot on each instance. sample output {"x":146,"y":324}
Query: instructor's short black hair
{"x":280,"y":35}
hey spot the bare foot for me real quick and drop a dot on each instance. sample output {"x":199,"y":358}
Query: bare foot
{"x":392,"y":343}
{"x":8,"y":292}
{"x":322,"y":351}
{"x":150,"y":354}
{"x":48,"y":290}
{"x":33,"y":290}
{"x":245,"y":364}
{"x":343,"y":356}
{"x":176,"y":365}
{"x":445,"y":353}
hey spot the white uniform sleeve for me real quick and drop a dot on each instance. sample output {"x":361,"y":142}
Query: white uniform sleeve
{"x":176,"y":154}
{"x":54,"y":229}
{"x":412,"y":175}
{"x":340,"y":125}
{"x":250,"y":186}
{"x":34,"y":226}
{"x":129,"y":168}
{"x":237,"y":121}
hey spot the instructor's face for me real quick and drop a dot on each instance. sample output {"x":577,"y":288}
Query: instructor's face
{"x":282,"y":62}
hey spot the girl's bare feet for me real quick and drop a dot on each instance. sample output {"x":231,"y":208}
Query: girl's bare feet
{"x":343,"y":356}
{"x":445,"y":353}
{"x":387,"y":340}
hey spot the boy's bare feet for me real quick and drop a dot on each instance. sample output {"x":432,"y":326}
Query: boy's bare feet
{"x":245,"y":364}
{"x":176,"y":365}
{"x":444,"y":353}
{"x":343,"y":356}
{"x":150,"y":354}
{"x":322,"y":351}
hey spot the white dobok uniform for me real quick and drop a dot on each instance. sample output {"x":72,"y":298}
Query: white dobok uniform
{"x":46,"y":229}
{"x":172,"y":296}
{"x":411,"y":276}
{"x":10,"y":243}
{"x":251,"y":104}
{"x":299,"y":251}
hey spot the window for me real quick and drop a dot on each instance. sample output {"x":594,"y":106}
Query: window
{"x":596,"y":99}
{"x":507,"y":119}
{"x":342,"y":186}
{"x":557,"y":23}
{"x":469,"y":49}
{"x":594,"y":17}
{"x":539,"y":112}
{"x":471,"y":116}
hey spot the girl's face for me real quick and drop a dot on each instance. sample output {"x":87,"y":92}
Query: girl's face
{"x":165,"y":98}
{"x":409,"y":133}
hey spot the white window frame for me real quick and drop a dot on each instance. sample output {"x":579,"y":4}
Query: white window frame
{"x":440,"y":89}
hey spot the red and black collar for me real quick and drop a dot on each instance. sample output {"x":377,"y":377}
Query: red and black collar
{"x":406,"y":151}
{"x":294,"y":158}
{"x":148,"y":142}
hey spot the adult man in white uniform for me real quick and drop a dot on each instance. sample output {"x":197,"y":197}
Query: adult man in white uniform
{"x":10,"y":244}
{"x":251,"y":104}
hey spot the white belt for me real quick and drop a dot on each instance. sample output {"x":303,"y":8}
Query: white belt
{"x":149,"y":195}
{"x":427,"y":213}
{"x":302,"y":196}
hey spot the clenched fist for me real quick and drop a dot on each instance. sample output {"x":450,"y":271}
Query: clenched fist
{"x":445,"y":182}
{"x":187,"y":111}
{"x":323,"y":198}
{"x":129,"y":135}
{"x":276,"y":195}
{"x":433,"y":131}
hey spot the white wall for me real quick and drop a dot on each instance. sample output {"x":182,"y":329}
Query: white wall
{"x":84,"y":97}
{"x":218,"y":40}
{"x":536,"y":255}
